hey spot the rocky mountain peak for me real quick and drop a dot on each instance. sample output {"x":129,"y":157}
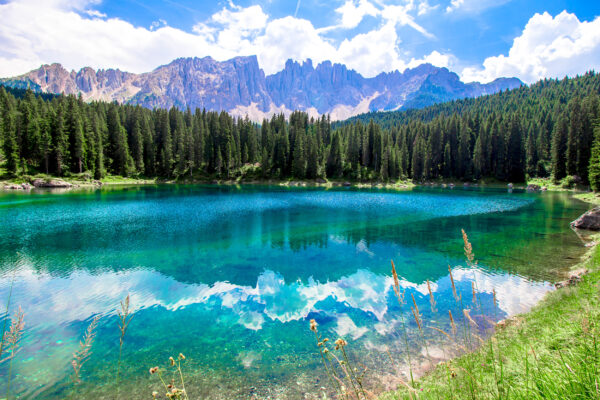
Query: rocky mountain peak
{"x":241,"y":87}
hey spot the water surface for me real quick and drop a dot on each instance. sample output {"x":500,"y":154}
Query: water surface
{"x":230,"y":276}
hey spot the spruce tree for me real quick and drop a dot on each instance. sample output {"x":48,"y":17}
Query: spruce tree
{"x":559,"y":148}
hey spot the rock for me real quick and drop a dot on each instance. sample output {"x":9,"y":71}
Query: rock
{"x":574,"y":278}
{"x":13,"y":186}
{"x":52,"y":183}
{"x":321,"y":180}
{"x":510,"y":185}
{"x":97,"y":183}
{"x":544,"y":188}
{"x":239,"y":85}
{"x":533,"y":188}
{"x":26,"y":186}
{"x":346,"y":184}
{"x":589,"y":221}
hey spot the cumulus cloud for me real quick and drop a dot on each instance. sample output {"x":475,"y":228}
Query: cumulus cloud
{"x":76,"y":35}
{"x":352,"y":13}
{"x":548,"y":47}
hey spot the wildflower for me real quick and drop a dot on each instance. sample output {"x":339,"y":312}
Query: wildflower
{"x":154,"y":394}
{"x":313,"y":325}
{"x":181,"y":356}
{"x":172,"y":361}
{"x":340,"y":343}
{"x":153,"y":370}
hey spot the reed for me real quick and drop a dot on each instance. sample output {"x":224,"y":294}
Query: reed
{"x":12,"y":281}
{"x":82,"y":355}
{"x":124,"y":320}
{"x":12,"y":339}
{"x":401,"y":302}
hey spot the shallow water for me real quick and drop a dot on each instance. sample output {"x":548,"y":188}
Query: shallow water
{"x":230,"y":276}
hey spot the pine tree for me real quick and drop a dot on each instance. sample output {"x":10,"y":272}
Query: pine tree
{"x":594,"y":167}
{"x":334,"y":160}
{"x":559,"y":148}
{"x":299,"y":161}
{"x":514,"y":153}
{"x":61,"y":141}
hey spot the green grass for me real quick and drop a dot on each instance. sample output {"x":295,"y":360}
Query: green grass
{"x":589,"y":197}
{"x":552,"y":352}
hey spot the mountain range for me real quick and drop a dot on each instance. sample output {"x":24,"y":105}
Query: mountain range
{"x":240,"y":87}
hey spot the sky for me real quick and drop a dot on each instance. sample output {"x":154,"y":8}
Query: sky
{"x":480,"y":40}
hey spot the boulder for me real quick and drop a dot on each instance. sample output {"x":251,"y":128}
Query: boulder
{"x":544,"y":188}
{"x":321,"y":180}
{"x":533,"y":188}
{"x":589,"y":221}
{"x":574,"y":278}
{"x":52,"y":183}
{"x":510,"y":185}
{"x":346,"y":184}
{"x":26,"y":186}
{"x":13,"y":186}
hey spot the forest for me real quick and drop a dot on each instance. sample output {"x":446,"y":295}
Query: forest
{"x":548,"y":129}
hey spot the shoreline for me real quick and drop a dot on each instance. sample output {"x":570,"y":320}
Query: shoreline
{"x":513,"y":332}
{"x":69,"y":183}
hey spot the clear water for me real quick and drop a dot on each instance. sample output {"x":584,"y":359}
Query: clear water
{"x":230,"y":276}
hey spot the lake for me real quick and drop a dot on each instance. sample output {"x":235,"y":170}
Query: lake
{"x":230,"y":276}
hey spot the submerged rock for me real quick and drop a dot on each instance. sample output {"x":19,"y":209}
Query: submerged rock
{"x":589,"y":221}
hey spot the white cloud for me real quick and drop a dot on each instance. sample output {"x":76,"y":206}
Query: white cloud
{"x":34,"y":33}
{"x":353,"y":14}
{"x":473,"y":6}
{"x":425,"y":7}
{"x":548,"y":47}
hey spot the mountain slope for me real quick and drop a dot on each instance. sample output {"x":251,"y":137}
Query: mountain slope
{"x":239,"y":86}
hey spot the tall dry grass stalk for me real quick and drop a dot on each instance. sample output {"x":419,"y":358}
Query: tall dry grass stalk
{"x":452,"y":324}
{"x":82,"y":355}
{"x":401,"y":301}
{"x":431,"y":298}
{"x":6,"y":312}
{"x":416,"y":313}
{"x":124,"y":320}
{"x":454,"y":293}
{"x":12,"y":339}
{"x":468,"y":248}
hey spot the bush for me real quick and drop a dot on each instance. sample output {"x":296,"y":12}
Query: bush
{"x":568,"y":182}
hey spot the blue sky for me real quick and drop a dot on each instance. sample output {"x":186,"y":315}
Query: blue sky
{"x":478,"y":39}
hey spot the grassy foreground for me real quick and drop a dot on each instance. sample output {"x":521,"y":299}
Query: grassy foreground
{"x":552,"y":352}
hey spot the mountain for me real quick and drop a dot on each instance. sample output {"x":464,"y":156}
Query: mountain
{"x":240,"y":87}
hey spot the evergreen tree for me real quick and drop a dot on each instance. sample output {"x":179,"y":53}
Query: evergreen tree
{"x":559,"y":148}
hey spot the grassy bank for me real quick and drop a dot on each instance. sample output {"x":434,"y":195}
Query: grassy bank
{"x":551,"y":352}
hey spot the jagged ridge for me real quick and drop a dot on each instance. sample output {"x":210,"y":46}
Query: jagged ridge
{"x":240,"y":87}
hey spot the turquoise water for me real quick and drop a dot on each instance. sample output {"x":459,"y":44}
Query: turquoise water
{"x":230,"y":276}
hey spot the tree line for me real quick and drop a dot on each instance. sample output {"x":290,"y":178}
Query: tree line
{"x":544,"y":130}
